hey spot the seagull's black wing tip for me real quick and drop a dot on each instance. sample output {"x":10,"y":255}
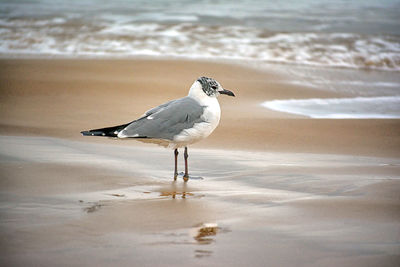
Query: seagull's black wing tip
{"x":94,"y":133}
{"x":86,"y":133}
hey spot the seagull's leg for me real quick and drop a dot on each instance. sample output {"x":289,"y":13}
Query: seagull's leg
{"x":176,"y":163}
{"x":186,"y":176}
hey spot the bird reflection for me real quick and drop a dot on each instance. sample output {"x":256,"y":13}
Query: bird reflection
{"x":174,"y":192}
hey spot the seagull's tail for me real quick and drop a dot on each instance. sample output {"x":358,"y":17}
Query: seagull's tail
{"x":108,"y":131}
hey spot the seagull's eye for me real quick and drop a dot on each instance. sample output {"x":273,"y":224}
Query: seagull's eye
{"x":214,"y":87}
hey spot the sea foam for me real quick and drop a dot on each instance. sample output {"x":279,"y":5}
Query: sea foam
{"x":385,"y":107}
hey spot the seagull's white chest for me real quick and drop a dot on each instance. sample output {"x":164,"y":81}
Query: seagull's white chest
{"x":211,"y":116}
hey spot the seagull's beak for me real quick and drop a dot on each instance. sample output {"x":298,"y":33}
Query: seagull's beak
{"x":226,"y":92}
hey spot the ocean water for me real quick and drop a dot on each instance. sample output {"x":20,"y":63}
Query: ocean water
{"x":301,"y":35}
{"x":354,"y":34}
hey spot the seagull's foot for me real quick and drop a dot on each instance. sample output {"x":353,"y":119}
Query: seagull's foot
{"x":187,"y":177}
{"x":175,"y":176}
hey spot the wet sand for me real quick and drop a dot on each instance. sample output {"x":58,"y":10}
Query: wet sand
{"x":277,"y":189}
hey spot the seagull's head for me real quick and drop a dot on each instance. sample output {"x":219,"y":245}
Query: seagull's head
{"x":213,"y":88}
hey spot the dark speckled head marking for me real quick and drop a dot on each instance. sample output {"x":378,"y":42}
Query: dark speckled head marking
{"x":209,"y":85}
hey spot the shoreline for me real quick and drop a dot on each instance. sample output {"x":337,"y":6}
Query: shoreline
{"x":250,"y":64}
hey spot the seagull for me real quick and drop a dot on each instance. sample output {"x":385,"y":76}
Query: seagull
{"x":176,"y":123}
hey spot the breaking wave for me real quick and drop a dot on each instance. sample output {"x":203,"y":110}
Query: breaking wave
{"x":73,"y":37}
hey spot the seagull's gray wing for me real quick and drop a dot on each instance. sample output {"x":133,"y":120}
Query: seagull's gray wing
{"x":166,"y":120}
{"x":157,"y":109}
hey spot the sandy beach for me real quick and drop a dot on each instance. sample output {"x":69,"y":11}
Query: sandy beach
{"x":60,"y":98}
{"x":276,"y":189}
